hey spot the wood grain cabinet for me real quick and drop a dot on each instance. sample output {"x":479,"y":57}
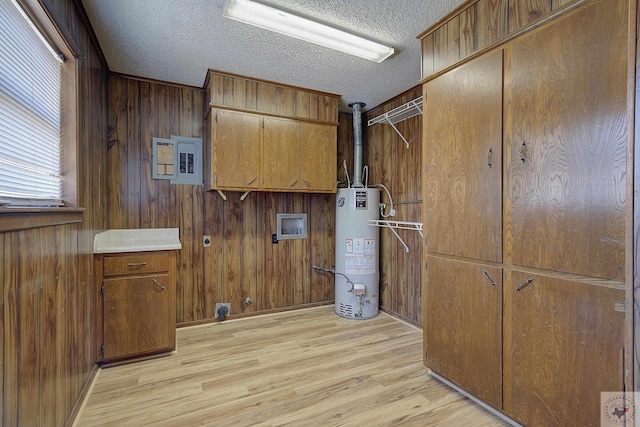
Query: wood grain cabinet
{"x":463,"y":320}
{"x":252,"y":152}
{"x":463,"y":183}
{"x":566,"y":95}
{"x":563,"y":346}
{"x":235,"y":150}
{"x":526,"y":182}
{"x":265,"y":136}
{"x":567,"y":134}
{"x":299,"y":156}
{"x":318,"y":157}
{"x":136,"y":311}
{"x":462,"y":155}
{"x":281,"y":154}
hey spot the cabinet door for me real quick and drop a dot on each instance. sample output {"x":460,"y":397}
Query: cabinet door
{"x":563,"y":349}
{"x":319,"y":157}
{"x":281,"y":154}
{"x":567,"y":131}
{"x":462,"y":155}
{"x":463,"y":326}
{"x":139,"y":316}
{"x":236,"y":154}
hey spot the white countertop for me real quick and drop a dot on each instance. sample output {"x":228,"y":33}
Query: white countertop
{"x":136,"y":240}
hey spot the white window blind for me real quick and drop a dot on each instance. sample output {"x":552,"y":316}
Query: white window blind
{"x":30,"y":75}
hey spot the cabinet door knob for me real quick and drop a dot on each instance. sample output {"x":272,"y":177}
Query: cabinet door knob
{"x":159,"y":284}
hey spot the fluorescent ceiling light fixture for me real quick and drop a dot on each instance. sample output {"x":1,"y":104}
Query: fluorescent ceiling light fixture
{"x":263,"y":16}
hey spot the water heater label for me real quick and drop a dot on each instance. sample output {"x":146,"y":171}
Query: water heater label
{"x":361,"y":200}
{"x":360,"y":256}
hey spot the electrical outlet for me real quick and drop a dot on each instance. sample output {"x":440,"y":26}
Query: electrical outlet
{"x":274,"y":238}
{"x":206,"y":241}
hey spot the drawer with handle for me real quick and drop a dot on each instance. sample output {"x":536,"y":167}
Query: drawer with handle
{"x":135,"y":264}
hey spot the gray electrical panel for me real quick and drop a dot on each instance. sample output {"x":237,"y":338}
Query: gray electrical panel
{"x":178,"y":159}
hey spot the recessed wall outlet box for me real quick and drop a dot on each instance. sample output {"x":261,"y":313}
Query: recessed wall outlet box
{"x":223,"y":309}
{"x":292,"y":226}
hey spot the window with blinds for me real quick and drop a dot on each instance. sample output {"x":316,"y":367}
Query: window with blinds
{"x":30,"y":126}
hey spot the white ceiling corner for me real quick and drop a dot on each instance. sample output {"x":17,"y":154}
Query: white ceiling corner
{"x":177,"y":41}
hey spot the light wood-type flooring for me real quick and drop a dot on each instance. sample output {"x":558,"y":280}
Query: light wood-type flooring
{"x":299,"y":368}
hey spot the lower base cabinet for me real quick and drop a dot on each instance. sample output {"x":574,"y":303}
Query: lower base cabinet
{"x":563,"y":347}
{"x":463,"y":326}
{"x":136,"y":305}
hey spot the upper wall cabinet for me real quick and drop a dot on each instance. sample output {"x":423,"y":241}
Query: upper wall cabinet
{"x":318,"y":157}
{"x":281,"y":154}
{"x":234,"y":146}
{"x":263,"y":136}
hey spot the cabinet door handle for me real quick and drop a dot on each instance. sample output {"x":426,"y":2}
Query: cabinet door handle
{"x":490,"y":157}
{"x":486,"y":276}
{"x":306,"y":183}
{"x":159,"y":284}
{"x":137,"y":264}
{"x":293,"y":183}
{"x":523,"y":152}
{"x":523,"y":284}
{"x":252,"y":181}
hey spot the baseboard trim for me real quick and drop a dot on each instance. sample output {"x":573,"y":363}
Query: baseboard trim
{"x":489,"y":408}
{"x":253,"y":313}
{"x":74,"y":416}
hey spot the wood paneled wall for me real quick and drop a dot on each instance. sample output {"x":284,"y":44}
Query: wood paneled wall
{"x":398,"y":168}
{"x":477,"y":25}
{"x":45,"y":274}
{"x":241,"y":261}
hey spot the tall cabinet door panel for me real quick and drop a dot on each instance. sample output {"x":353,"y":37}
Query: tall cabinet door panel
{"x":463,"y":326}
{"x":236,"y":154}
{"x":281,"y":158}
{"x":566,"y":97}
{"x":319,"y":153}
{"x":462,"y":153}
{"x":565,"y":347}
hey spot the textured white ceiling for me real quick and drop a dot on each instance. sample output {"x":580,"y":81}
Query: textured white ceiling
{"x":178,"y":40}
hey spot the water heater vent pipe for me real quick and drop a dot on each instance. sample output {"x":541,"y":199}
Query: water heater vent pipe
{"x":357,"y":144}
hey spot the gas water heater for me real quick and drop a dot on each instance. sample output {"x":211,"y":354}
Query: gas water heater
{"x":357,"y":243}
{"x":357,"y":253}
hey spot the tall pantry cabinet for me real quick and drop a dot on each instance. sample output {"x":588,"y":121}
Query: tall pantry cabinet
{"x":527,"y":160}
{"x":463,"y":224}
